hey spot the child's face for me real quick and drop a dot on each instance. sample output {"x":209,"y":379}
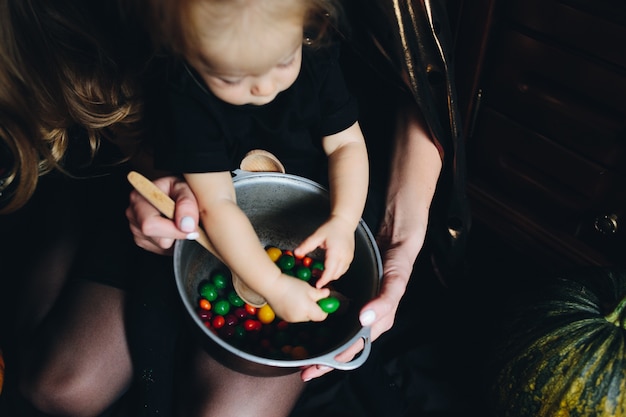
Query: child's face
{"x":251,"y":68}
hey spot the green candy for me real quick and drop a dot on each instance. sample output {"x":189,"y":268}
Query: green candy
{"x":235,"y":299}
{"x":219,"y":280}
{"x":329,"y":304}
{"x":286,"y":262}
{"x":303,"y":273}
{"x":221,"y":307}
{"x":240,"y":332}
{"x":317,"y":265}
{"x":208,"y":291}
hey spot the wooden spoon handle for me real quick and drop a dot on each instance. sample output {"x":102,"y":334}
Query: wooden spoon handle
{"x":164,"y":204}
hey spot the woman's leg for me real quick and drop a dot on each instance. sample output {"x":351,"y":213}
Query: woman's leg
{"x":66,"y":339}
{"x":79,"y":363}
{"x":207,"y":388}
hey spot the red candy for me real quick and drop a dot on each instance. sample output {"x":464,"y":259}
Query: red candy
{"x":252,"y":325}
{"x":218,"y":322}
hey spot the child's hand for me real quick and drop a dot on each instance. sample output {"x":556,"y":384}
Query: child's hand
{"x":295,"y":300}
{"x":336,"y":236}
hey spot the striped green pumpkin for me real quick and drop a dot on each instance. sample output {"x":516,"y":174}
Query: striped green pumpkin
{"x":564,"y":353}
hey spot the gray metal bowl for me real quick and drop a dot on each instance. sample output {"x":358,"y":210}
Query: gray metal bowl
{"x":284,"y":209}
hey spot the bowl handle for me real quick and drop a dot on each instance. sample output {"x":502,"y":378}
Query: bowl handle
{"x":329,"y":358}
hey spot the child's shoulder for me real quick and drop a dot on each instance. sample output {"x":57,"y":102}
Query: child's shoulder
{"x":323,"y":54}
{"x":320,"y":60}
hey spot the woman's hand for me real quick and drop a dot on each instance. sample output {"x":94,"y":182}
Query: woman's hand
{"x":151,"y":230}
{"x":380,"y":313}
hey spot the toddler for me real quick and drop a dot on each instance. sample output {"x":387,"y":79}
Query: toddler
{"x":262,"y":74}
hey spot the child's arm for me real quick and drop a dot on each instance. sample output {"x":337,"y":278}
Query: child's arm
{"x":236,"y":242}
{"x":348,"y":167}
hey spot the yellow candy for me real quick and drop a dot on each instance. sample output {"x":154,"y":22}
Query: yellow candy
{"x":273,"y":253}
{"x":265,"y":314}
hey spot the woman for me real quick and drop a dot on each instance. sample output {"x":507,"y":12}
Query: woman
{"x":424,"y":168}
{"x":69,"y":118}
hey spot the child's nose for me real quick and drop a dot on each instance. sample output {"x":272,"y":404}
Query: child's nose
{"x":263,"y":87}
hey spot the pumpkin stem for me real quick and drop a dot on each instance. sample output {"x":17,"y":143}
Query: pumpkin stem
{"x":618,"y":315}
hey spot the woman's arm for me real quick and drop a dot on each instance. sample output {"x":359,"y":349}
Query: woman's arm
{"x":416,"y":166}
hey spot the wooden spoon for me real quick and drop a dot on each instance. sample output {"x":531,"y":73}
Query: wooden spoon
{"x":260,"y":160}
{"x":166,"y":206}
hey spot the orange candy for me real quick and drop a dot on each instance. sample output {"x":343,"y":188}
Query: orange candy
{"x":250,"y":309}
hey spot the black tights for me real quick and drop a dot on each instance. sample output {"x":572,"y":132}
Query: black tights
{"x":64,"y":340}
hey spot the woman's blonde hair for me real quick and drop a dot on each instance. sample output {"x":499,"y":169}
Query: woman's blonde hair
{"x":57,"y":72}
{"x":169,"y":22}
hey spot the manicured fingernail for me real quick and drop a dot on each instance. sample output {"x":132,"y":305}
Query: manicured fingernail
{"x":193,"y":236}
{"x":187,"y":225}
{"x":367,"y":317}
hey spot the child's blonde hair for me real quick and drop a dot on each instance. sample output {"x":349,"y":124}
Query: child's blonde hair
{"x":169,"y":22}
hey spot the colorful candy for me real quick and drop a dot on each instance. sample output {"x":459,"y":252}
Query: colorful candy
{"x":208,"y":291}
{"x":266,"y":314}
{"x":329,"y":304}
{"x":219,"y":280}
{"x":285,"y":262}
{"x":205,"y":304}
{"x":258,"y":330}
{"x":273,"y":253}
{"x":303,"y":273}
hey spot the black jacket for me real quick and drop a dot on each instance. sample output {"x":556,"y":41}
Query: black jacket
{"x":417,"y":40}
